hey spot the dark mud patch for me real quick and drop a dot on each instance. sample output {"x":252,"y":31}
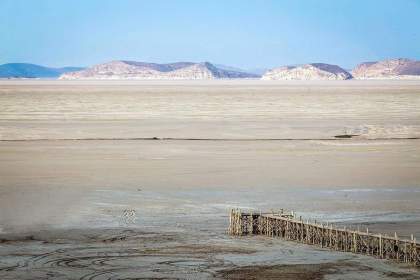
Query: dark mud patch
{"x":84,"y":236}
{"x":346,"y":136}
{"x":10,"y":239}
{"x":114,"y":254}
{"x":206,"y":249}
{"x":135,"y":254}
{"x":400,"y":275}
{"x":293,"y":271}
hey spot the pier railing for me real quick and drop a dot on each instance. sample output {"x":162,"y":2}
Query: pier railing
{"x":289,"y":227}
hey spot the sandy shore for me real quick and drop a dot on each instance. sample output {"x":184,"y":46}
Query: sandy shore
{"x":85,"y":195}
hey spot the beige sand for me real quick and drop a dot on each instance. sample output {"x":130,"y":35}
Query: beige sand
{"x":181,"y":189}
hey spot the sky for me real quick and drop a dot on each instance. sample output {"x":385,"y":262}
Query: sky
{"x":247,"y":34}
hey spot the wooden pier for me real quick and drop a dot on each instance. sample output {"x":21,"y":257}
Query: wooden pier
{"x":289,"y":227}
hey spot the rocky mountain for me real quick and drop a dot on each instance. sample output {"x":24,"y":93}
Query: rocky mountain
{"x":313,"y":71}
{"x":142,"y":70}
{"x":27,"y":70}
{"x":388,"y":69}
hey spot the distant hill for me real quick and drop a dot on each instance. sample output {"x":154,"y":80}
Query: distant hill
{"x":313,"y":71}
{"x":27,"y":70}
{"x":228,"y":68}
{"x":133,"y":70}
{"x":400,"y":68}
{"x":256,"y":71}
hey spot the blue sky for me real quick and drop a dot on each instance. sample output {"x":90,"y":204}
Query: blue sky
{"x":248,"y":34}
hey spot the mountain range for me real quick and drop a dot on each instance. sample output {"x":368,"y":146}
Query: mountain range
{"x":133,"y":70}
{"x":121,"y":69}
{"x":27,"y":70}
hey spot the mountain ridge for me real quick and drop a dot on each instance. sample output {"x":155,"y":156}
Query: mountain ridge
{"x":29,"y":70}
{"x":123,"y":69}
{"x":398,"y":68}
{"x":311,"y":71}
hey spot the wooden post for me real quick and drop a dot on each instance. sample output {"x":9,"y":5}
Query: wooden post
{"x":381,"y":255}
{"x":354,"y":243}
{"x":291,"y":228}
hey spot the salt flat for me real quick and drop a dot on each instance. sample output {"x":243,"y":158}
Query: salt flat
{"x":218,"y":109}
{"x":76,"y":156}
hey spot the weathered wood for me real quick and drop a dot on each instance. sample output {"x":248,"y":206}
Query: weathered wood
{"x":287,"y":226}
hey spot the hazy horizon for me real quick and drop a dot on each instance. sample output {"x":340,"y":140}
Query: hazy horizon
{"x":220,"y":65}
{"x":243,"y":34}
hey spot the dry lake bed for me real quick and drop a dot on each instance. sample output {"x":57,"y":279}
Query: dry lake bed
{"x":134,"y":180}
